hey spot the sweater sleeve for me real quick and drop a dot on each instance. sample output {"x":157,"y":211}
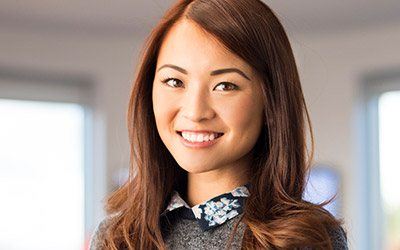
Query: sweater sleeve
{"x":97,"y":236}
{"x":339,"y":239}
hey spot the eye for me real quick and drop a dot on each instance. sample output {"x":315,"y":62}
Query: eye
{"x":231,"y":86}
{"x":172,"y":82}
{"x":176,"y":83}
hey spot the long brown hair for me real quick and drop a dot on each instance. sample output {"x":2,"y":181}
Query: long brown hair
{"x":275,"y":214}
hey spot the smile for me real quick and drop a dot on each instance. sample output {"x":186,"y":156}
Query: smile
{"x":198,"y":140}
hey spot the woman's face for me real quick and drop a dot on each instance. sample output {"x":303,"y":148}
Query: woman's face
{"x":201,"y":95}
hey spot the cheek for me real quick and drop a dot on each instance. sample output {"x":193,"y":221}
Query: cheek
{"x":244,"y":114}
{"x":163,"y":108}
{"x":163,"y":97}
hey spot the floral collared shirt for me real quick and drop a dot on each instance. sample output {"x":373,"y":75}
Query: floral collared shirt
{"x":213,"y":212}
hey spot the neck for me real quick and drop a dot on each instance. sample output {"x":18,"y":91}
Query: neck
{"x":204,"y":186}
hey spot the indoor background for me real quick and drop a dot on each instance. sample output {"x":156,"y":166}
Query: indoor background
{"x":66,"y":69}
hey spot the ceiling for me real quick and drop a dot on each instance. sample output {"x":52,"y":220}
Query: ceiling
{"x":127,"y":16}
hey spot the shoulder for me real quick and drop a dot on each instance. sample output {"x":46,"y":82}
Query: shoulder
{"x":339,"y":238}
{"x":98,"y":235}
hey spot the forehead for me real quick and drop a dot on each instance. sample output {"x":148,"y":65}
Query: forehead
{"x":191,"y":47}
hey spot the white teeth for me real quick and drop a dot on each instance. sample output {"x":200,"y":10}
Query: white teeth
{"x":195,"y":137}
{"x":212,"y":137}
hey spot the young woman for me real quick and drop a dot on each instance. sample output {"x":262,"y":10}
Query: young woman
{"x":218,"y":139}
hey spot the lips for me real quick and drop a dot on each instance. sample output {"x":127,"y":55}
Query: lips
{"x":219,"y":134}
{"x":201,"y":143}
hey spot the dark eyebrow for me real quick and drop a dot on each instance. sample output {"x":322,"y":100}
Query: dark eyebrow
{"x":213,"y":73}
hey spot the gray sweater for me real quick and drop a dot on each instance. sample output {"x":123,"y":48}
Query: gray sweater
{"x":187,"y":234}
{"x":207,"y":225}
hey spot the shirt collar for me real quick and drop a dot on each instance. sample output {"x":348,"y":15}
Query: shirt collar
{"x":213,"y":212}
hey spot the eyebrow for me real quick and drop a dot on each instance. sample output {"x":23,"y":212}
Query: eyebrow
{"x":213,"y":73}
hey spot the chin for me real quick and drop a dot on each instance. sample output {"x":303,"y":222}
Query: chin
{"x":195,"y":169}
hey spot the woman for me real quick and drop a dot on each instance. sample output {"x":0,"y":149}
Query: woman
{"x":218,"y":140}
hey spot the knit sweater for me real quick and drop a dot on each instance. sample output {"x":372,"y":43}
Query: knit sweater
{"x":207,"y":225}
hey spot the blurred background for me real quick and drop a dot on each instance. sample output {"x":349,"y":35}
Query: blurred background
{"x":65,"y":74}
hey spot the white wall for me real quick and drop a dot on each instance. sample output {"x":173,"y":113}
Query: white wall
{"x":331,"y":67}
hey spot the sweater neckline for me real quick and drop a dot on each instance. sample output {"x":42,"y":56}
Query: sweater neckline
{"x":213,"y":212}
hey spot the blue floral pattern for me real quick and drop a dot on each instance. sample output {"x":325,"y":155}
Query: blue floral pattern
{"x":213,"y":212}
{"x":218,"y":212}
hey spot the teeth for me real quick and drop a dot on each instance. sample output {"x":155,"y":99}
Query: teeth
{"x":195,"y":137}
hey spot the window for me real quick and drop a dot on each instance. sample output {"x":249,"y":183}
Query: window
{"x":49,"y":194}
{"x":41,"y":175}
{"x":322,"y":185}
{"x":382,"y":160}
{"x":389,"y":167}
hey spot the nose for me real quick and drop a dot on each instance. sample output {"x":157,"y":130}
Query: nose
{"x":196,"y":105}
